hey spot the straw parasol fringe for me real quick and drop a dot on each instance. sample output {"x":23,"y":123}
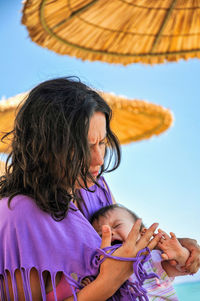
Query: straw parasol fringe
{"x":8,"y":109}
{"x":117,"y":31}
{"x":2,"y":168}
{"x":133,"y":120}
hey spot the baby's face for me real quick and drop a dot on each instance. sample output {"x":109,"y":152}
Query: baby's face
{"x":120,"y":222}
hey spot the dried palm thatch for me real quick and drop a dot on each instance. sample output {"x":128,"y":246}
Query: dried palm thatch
{"x":2,"y":168}
{"x":8,"y":109}
{"x":133,"y":120}
{"x":117,"y":31}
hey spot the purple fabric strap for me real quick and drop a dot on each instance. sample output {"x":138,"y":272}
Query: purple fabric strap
{"x":129,"y":290}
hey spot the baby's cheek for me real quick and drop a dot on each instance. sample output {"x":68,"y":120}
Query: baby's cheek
{"x":124,"y":232}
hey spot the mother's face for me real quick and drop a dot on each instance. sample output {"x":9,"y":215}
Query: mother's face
{"x":97,"y":143}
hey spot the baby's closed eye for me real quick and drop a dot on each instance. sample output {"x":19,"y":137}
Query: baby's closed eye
{"x":117,"y":226}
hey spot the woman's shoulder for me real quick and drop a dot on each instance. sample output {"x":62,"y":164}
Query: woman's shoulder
{"x":21,"y":206}
{"x":18,"y":201}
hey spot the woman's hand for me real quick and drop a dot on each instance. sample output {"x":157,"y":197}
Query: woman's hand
{"x":113,"y":273}
{"x":121,"y":270}
{"x":193,"y":263}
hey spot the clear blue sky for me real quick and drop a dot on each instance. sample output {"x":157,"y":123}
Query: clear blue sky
{"x":158,"y":178}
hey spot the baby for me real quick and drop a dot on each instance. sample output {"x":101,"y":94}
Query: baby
{"x":121,"y":220}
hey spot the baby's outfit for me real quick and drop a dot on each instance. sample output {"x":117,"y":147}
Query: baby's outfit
{"x":158,"y":289}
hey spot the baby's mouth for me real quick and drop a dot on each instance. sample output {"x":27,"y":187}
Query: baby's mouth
{"x":116,"y":242}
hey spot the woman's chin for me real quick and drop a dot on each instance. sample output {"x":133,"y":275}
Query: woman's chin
{"x":90,"y":183}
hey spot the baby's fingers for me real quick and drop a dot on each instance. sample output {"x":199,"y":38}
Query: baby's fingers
{"x":173,"y":236}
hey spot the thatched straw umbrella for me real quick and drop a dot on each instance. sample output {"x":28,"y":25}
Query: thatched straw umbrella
{"x":2,"y":167}
{"x":133,"y":120}
{"x":116,"y":31}
{"x":8,"y":108}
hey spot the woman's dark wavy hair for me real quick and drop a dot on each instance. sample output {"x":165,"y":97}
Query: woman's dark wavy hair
{"x":50,"y":148}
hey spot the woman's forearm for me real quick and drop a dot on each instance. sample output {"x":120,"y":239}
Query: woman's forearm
{"x":99,"y":290}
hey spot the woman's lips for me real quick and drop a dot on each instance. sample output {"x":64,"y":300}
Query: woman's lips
{"x":94,"y":173}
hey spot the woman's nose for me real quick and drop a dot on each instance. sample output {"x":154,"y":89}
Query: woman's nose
{"x":98,"y":157}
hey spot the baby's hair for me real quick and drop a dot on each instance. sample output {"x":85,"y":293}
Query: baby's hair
{"x":104,"y":211}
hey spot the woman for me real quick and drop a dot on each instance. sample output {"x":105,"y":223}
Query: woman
{"x":61,"y":137}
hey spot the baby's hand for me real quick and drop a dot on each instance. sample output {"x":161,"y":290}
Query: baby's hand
{"x":172,"y":249}
{"x":169,"y":245}
{"x":85,"y":281}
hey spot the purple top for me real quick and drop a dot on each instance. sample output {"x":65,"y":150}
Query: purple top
{"x":31,"y":238}
{"x":91,"y":202}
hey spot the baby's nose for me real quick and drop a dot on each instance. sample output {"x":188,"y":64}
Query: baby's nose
{"x":113,"y":231}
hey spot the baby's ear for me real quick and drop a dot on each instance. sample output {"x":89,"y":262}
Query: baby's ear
{"x":143,"y":230}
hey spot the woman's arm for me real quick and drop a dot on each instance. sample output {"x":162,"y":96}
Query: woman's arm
{"x":172,"y":271}
{"x":98,"y":290}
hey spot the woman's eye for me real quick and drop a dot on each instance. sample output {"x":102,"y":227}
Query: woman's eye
{"x":103,"y":142}
{"x":116,"y":226}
